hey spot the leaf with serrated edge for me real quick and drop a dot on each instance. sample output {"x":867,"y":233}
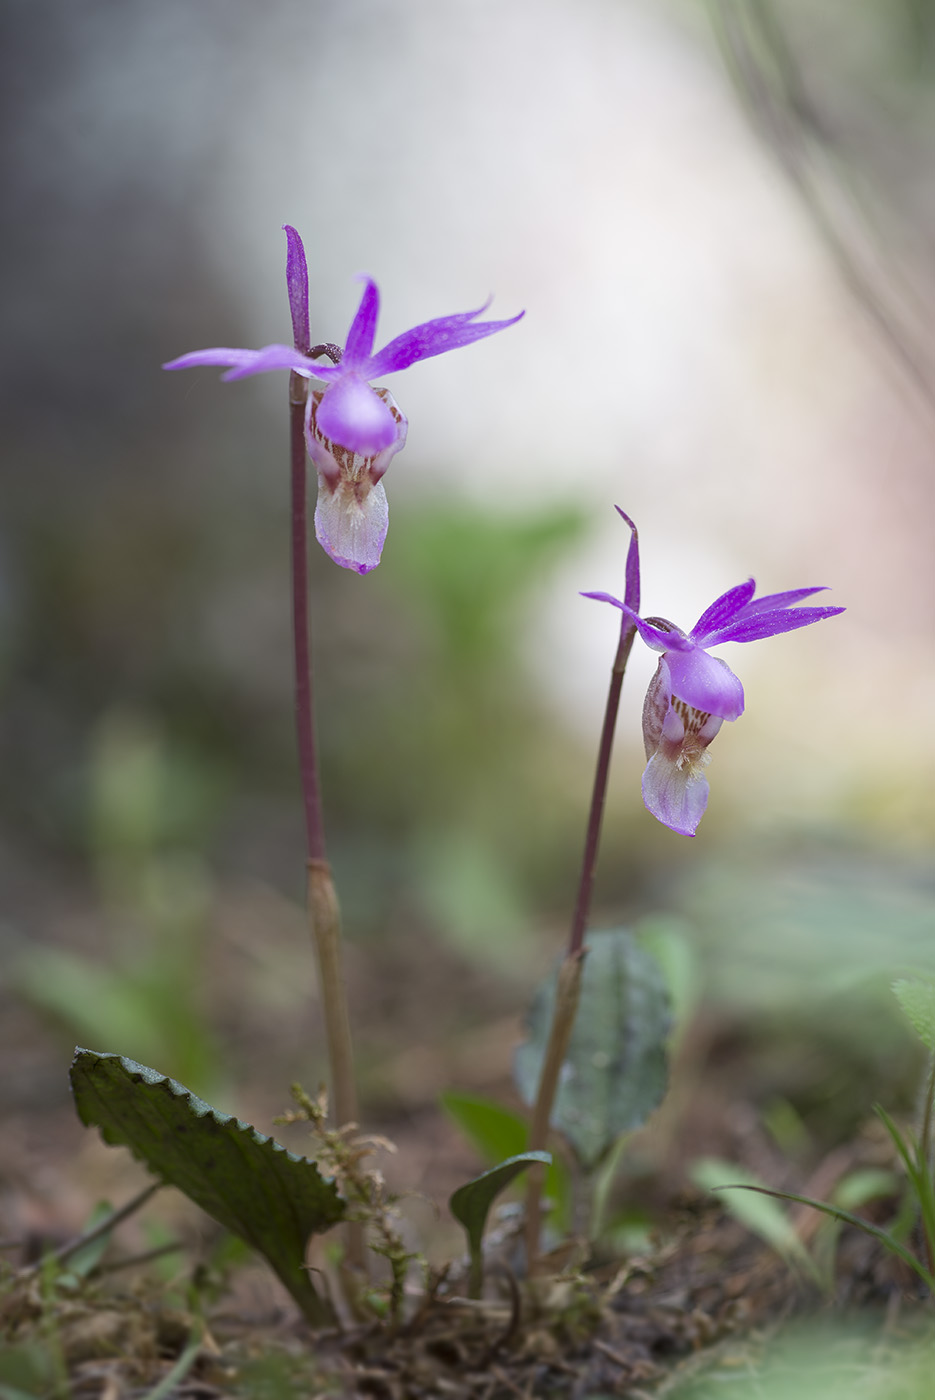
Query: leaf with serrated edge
{"x":917,"y":999}
{"x":615,"y":1071}
{"x":470,"y":1204}
{"x":246,"y":1181}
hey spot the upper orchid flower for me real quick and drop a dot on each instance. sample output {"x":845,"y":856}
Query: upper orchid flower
{"x":352,"y":429}
{"x":692,"y":693}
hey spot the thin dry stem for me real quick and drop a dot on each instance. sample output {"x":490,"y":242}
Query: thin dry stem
{"x":325,"y":922}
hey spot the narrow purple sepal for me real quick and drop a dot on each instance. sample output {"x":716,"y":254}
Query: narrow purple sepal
{"x":631,"y":595}
{"x":271,"y":357}
{"x":433,"y":338}
{"x":245,"y":362}
{"x":770,"y":624}
{"x":297,"y":284}
{"x":359,"y":345}
{"x":723,"y":610}
{"x":771,"y":602}
{"x":656,"y":637}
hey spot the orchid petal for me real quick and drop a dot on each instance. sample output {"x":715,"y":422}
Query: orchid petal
{"x":351,"y":531}
{"x":675,"y":796}
{"x":723,"y":609}
{"x":632,"y":576}
{"x":359,"y":342}
{"x":772,"y":602}
{"x":656,"y":637}
{"x":352,"y":415}
{"x":297,"y":284}
{"x":770,"y":624}
{"x":245,"y":362}
{"x":705,"y":682}
{"x":433,"y":338}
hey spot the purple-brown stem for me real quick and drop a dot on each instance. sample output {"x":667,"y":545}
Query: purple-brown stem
{"x":592,"y":838}
{"x":323,"y":911}
{"x":304,"y":713}
{"x":568,"y":988}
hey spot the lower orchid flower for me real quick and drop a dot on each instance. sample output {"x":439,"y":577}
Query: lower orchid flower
{"x":352,"y":429}
{"x":692,"y":693}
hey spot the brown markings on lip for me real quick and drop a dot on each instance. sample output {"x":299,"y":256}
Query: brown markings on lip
{"x":693,"y":720}
{"x":354,"y":469}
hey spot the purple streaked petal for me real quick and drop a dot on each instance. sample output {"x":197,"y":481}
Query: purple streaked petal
{"x":352,"y":415}
{"x":244,"y":362}
{"x":723,"y":610}
{"x":675,"y":796}
{"x":351,"y":531}
{"x":772,"y":602}
{"x":363,"y":328}
{"x":656,"y":637}
{"x":770,"y":624}
{"x":632,"y":576}
{"x":297,"y":284}
{"x":433,"y":338}
{"x":705,"y":682}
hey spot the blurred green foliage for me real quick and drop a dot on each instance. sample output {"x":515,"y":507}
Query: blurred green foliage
{"x":148,"y":996}
{"x":816,"y":1361}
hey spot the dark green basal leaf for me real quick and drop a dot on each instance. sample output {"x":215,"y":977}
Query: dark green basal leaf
{"x":250,"y":1184}
{"x":616,"y":1069}
{"x":470,"y":1204}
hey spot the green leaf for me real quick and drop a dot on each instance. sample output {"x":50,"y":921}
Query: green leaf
{"x":496,"y":1132}
{"x":753,"y":1206}
{"x":470,"y":1205}
{"x":671,"y":943}
{"x":917,"y":999}
{"x":615,"y":1072}
{"x":836,"y":1213}
{"x":250,"y":1184}
{"x":86,"y":1259}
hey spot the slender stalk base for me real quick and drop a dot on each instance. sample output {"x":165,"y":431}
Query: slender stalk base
{"x":571,"y":971}
{"x":325,"y":922}
{"x":567,"y":995}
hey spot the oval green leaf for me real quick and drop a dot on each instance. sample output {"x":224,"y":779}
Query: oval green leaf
{"x":616,"y":1069}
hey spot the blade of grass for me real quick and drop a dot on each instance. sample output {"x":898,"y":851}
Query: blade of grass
{"x":849,"y":1218}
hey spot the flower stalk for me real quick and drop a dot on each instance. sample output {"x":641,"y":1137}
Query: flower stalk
{"x":324,"y":914}
{"x":568,"y":989}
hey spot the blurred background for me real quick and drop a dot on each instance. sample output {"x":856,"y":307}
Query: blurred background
{"x":720,"y":220}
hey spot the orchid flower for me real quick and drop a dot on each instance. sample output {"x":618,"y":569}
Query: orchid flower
{"x":352,"y":429}
{"x":692,"y":693}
